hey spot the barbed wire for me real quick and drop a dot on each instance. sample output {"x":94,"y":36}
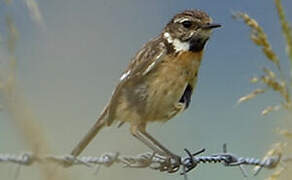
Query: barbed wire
{"x":148,"y":160}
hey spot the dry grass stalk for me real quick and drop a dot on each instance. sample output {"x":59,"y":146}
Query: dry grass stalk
{"x":276,"y":174}
{"x":35,"y":12}
{"x":285,"y":133}
{"x":286,"y":29}
{"x":250,"y":95}
{"x":22,"y":115}
{"x":259,"y":37}
{"x":254,"y":79}
{"x":278,"y":86}
{"x":270,"y":80}
{"x":13,"y":35}
{"x":276,"y":150}
{"x":269,"y":73}
{"x":269,"y":109}
{"x":287,"y":106}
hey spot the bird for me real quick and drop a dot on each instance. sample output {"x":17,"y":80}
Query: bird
{"x":159,"y":81}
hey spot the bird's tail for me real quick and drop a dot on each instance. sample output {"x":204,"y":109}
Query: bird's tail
{"x":99,"y":124}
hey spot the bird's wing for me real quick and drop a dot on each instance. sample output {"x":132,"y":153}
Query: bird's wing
{"x":145,"y":60}
{"x":140,"y":66}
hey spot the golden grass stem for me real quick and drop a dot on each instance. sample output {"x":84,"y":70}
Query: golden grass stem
{"x":286,"y":29}
{"x":21,"y":114}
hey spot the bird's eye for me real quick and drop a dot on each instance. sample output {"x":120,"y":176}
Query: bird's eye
{"x":187,"y":24}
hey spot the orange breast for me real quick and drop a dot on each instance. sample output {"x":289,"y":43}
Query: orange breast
{"x":167,"y":84}
{"x":189,"y":58}
{"x":188,"y":63}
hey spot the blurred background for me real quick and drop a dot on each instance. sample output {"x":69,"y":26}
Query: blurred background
{"x":70,"y":57}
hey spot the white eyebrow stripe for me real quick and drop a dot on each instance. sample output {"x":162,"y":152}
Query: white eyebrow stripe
{"x":181,"y":20}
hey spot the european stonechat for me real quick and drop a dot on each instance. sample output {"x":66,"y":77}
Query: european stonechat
{"x":159,"y":80}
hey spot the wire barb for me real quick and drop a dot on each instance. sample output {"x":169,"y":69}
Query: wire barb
{"x":229,"y":159}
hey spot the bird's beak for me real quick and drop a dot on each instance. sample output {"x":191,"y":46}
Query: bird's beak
{"x":211,"y":26}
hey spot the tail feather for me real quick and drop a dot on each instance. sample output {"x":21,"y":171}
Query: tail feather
{"x":99,"y":124}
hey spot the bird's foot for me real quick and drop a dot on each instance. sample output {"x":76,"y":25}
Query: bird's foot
{"x":171,"y":164}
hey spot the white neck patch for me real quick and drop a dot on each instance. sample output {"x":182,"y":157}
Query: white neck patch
{"x":178,"y":45}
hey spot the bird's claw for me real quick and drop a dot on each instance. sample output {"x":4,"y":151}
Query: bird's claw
{"x":171,"y":164}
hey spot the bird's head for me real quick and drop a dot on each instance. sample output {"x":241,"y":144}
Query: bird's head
{"x":189,"y":30}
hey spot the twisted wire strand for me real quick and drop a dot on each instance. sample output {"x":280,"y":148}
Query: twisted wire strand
{"x":151,"y":160}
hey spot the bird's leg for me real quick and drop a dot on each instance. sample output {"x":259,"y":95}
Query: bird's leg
{"x":140,"y":137}
{"x":137,"y":134}
{"x":164,"y":149}
{"x":140,"y":133}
